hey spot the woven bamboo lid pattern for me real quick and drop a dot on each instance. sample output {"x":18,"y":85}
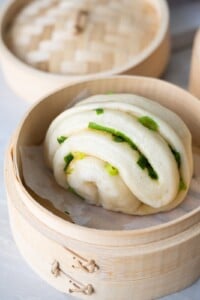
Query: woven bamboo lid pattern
{"x":83,"y":36}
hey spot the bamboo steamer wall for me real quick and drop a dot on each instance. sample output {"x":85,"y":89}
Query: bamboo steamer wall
{"x":31,"y":83}
{"x":194,"y":85}
{"x":138,"y":264}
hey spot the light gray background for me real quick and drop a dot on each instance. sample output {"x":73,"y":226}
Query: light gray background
{"x":17,"y":280}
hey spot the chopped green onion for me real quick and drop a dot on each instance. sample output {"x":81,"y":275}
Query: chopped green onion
{"x":152,"y":173}
{"x":99,"y":111}
{"x":149,"y":123}
{"x":70,"y":189}
{"x":69,"y":171}
{"x":111,"y":170}
{"x":182,"y":185}
{"x":114,"y":132}
{"x":66,"y":212}
{"x":109,"y":93}
{"x":177,"y":156}
{"x":144,"y":164}
{"x":68,"y":158}
{"x":118,"y":139}
{"x":121,"y":137}
{"x":61,"y":139}
{"x":79,"y":155}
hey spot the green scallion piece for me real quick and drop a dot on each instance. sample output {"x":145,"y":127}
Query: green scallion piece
{"x":144,"y":164}
{"x":99,"y":111}
{"x":152,"y":173}
{"x":182,"y":185}
{"x":121,"y":137}
{"x":79,"y":155}
{"x":69,"y":171}
{"x":70,"y":189}
{"x":114,"y":132}
{"x":149,"y":123}
{"x":61,"y":139}
{"x":68,"y":158}
{"x":118,"y":139}
{"x":177,"y":156}
{"x":111,"y":170}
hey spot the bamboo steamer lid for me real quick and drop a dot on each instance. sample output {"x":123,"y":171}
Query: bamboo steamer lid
{"x":82,"y":37}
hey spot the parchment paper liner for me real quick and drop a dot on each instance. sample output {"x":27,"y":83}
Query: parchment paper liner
{"x":41,"y":181}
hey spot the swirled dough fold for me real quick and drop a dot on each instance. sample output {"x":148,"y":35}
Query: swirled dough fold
{"x":123,"y":152}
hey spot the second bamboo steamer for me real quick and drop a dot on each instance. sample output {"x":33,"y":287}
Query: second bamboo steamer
{"x":47,"y":44}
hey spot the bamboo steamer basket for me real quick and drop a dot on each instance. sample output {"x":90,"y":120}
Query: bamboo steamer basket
{"x":32,"y":81}
{"x":194,"y":85}
{"x":103,"y":264}
{"x":142,"y":264}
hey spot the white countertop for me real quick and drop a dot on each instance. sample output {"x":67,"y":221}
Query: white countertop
{"x":17,"y":280}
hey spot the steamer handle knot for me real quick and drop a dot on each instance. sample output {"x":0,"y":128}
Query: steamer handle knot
{"x":77,"y":287}
{"x":86,"y":290}
{"x":89,"y":267}
{"x":55,"y":268}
